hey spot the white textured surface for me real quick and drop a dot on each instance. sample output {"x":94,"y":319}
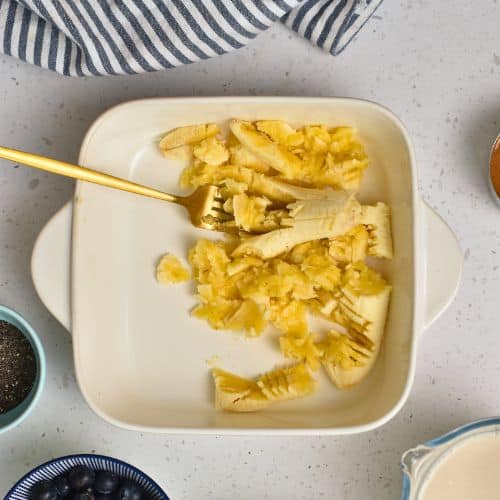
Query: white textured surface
{"x":434,"y":64}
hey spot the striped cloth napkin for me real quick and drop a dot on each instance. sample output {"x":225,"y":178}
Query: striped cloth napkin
{"x":110,"y":37}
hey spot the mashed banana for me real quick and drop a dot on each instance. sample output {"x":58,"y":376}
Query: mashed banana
{"x":298,"y":248}
{"x":171,"y":270}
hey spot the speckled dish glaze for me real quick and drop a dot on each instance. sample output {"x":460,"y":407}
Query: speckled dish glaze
{"x":16,"y":415}
{"x":419,"y":463}
{"x":49,"y":470}
{"x":159,"y":380}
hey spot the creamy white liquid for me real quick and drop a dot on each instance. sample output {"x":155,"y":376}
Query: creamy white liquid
{"x":470,"y":471}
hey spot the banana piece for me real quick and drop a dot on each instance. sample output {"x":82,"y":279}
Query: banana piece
{"x":249,"y":211}
{"x":344,"y":351}
{"x":346,"y":173}
{"x":270,"y":152}
{"x":350,"y":247}
{"x":234,"y":393}
{"x":282,"y":240}
{"x":285,"y":191}
{"x":239,"y":155}
{"x":378,"y":221}
{"x":249,"y":317}
{"x":200,"y":173}
{"x":242,"y":264}
{"x":171,"y":270}
{"x":181,"y":153}
{"x":319,"y":209}
{"x":189,"y":134}
{"x":287,"y":383}
{"x":211,"y":151}
{"x":301,"y":347}
{"x":277,"y":130}
{"x":237,"y":394}
{"x":280,"y":190}
{"x":373,"y":308}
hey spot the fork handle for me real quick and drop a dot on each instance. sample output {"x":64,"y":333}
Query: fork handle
{"x":83,"y":174}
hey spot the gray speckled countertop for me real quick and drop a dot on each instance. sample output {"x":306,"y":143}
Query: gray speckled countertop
{"x":437,"y":66}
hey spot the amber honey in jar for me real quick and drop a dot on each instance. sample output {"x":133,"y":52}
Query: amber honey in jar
{"x":495,"y":166}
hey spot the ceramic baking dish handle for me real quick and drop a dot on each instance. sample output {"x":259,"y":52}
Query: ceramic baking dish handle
{"x":51,"y":269}
{"x":51,"y":265}
{"x":443,"y":264}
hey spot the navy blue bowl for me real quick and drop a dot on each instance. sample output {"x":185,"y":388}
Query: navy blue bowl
{"x":49,"y":470}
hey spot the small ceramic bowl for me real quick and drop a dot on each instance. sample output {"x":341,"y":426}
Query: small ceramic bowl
{"x":419,"y":463}
{"x":494,"y":147}
{"x":16,"y":415}
{"x":49,"y":470}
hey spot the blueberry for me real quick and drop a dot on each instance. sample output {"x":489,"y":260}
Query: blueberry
{"x":81,"y":478}
{"x":106,"y":482}
{"x":83,"y":495}
{"x":44,"y":490}
{"x":129,"y":491}
{"x":62,"y":485}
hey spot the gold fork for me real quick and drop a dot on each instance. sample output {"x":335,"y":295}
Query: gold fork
{"x":205,"y":205}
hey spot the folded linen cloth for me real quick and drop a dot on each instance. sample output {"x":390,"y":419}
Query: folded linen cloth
{"x":109,"y":37}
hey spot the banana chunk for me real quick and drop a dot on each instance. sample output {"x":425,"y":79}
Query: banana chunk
{"x":356,"y":361}
{"x":338,"y":219}
{"x":238,"y":394}
{"x":277,"y":130}
{"x":342,"y":351}
{"x":336,"y":203}
{"x":171,"y":270}
{"x":189,"y":134}
{"x":301,"y":347}
{"x":242,"y":157}
{"x":211,"y":151}
{"x":249,"y":211}
{"x":270,"y":152}
{"x":287,"y":383}
{"x":274,"y":188}
{"x":378,"y":221}
{"x":350,"y":247}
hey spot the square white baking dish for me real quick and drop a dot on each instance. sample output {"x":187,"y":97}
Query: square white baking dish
{"x":141,"y":359}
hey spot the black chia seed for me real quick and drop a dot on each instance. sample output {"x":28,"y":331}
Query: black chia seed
{"x":17,"y":366}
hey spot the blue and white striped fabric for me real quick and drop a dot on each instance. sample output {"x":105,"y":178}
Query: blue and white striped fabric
{"x":110,"y":37}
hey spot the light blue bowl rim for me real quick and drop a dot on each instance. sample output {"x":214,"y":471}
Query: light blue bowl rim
{"x":32,"y":336}
{"x":139,"y":472}
{"x":445,"y":438}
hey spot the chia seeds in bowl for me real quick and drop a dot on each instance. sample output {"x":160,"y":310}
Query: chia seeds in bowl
{"x":22,"y":368}
{"x":18,"y":366}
